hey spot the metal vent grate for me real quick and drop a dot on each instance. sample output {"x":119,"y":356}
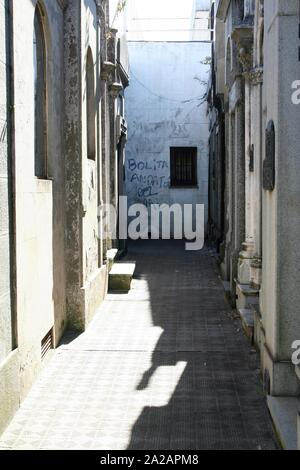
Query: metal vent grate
{"x":47,"y":343}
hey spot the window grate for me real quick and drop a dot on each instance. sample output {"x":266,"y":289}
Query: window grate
{"x":47,"y":343}
{"x":183,"y":166}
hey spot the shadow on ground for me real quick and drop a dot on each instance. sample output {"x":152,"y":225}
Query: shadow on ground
{"x":218,"y":402}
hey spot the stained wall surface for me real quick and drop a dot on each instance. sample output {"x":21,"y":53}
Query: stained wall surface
{"x":165,"y":107}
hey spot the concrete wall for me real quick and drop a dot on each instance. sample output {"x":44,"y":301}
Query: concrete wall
{"x":52,"y":226}
{"x":85,"y":271}
{"x":168,"y":83}
{"x":268,"y":268}
{"x":281,"y":224}
{"x":5,"y":301}
{"x":39,"y":202}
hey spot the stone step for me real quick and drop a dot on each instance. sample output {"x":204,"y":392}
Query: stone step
{"x":247,"y":318}
{"x":111,"y":257}
{"x":285,"y":415}
{"x":246,"y":295}
{"x":120,"y":277}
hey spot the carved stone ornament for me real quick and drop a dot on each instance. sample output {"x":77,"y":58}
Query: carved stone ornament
{"x":255,"y":76}
{"x":246,"y":58}
{"x":269,"y":162}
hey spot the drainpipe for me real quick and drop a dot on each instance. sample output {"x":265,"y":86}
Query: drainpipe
{"x":11,"y":166}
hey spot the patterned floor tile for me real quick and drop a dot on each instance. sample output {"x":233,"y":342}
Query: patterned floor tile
{"x":165,"y":366}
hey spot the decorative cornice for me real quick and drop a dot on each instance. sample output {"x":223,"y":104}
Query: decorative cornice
{"x":114,"y":89}
{"x":112,"y":33}
{"x":107,"y":70}
{"x":123,"y":75}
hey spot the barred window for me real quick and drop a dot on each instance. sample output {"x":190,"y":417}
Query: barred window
{"x":40,"y":95}
{"x":183,"y":166}
{"x":90,"y":106}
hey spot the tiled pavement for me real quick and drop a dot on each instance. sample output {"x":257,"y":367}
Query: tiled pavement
{"x":163,"y":367}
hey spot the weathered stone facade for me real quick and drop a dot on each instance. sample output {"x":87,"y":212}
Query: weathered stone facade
{"x":258,"y":241}
{"x":63,"y":58}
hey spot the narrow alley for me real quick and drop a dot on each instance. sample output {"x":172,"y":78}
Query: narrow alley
{"x":165,"y":366}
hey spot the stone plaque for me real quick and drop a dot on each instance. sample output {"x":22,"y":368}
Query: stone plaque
{"x":269,"y":162}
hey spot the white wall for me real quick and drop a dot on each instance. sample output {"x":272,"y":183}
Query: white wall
{"x":5,"y":307}
{"x":167,"y":20}
{"x":39,"y":202}
{"x":163,"y":110}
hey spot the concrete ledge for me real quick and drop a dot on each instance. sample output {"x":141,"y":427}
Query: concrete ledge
{"x":120,"y":277}
{"x":283,"y":381}
{"x":246,"y":289}
{"x":9,"y":388}
{"x":247,"y":319}
{"x":285,"y":413}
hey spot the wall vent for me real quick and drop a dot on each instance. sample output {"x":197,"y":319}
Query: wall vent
{"x":47,"y":343}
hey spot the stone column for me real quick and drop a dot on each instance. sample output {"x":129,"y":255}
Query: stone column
{"x":246,"y":255}
{"x":107,"y":70}
{"x":249,"y":271}
{"x":85,"y":277}
{"x":236,"y":180}
{"x":230,"y":135}
{"x":114,"y":90}
{"x":256,"y":79}
{"x":225,"y":266}
{"x":109,"y":93}
{"x":246,"y":295}
{"x":239,"y":233}
{"x":73,"y":166}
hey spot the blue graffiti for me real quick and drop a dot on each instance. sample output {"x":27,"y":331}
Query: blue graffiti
{"x":134,"y":165}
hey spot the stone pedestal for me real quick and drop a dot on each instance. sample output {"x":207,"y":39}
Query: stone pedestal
{"x":255,"y":272}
